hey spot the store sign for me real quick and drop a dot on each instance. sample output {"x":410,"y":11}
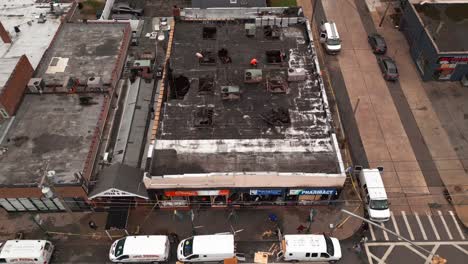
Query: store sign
{"x":266,"y":192}
{"x":115,"y":193}
{"x":197,"y":193}
{"x":453,"y":60}
{"x":330,"y":191}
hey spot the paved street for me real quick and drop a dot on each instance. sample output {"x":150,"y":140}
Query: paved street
{"x":440,"y":233}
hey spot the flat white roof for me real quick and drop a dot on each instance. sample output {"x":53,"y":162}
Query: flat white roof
{"x":145,"y":245}
{"x":305,"y":243}
{"x":213,"y":244}
{"x":34,"y":38}
{"x":6,"y":68}
{"x":22,"y":248}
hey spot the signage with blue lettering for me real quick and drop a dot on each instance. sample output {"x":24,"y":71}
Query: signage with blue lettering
{"x":266,"y":192}
{"x":329,"y":191}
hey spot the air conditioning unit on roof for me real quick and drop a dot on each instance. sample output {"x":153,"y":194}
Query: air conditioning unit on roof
{"x":36,"y":85}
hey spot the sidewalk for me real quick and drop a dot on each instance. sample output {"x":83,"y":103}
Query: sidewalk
{"x":251,"y":222}
{"x":438,"y":110}
{"x":61,"y":225}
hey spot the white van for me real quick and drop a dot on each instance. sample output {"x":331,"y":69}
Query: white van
{"x":206,"y":248}
{"x":26,"y":251}
{"x":311,"y":248}
{"x":141,"y":249}
{"x":374,"y":194}
{"x":330,"y":38}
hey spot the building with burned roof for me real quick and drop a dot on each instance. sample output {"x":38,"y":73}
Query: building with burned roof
{"x":227,"y":130}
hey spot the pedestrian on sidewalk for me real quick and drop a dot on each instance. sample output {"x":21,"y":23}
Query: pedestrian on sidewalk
{"x":300,"y":229}
{"x":92,"y":225}
{"x":357,"y":248}
{"x":176,"y":13}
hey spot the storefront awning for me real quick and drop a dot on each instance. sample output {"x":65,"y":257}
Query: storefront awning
{"x":119,"y":180}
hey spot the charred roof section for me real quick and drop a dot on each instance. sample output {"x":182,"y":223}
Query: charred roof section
{"x":225,"y":113}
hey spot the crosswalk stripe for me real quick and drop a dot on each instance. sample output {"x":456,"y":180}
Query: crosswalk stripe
{"x":372,"y":232}
{"x":457,"y":225}
{"x":397,"y":230}
{"x":384,"y":232}
{"x":433,"y":226}
{"x":445,"y":225}
{"x":420,"y":226}
{"x":407,"y":225}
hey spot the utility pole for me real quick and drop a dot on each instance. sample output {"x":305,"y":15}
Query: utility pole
{"x":436,"y":259}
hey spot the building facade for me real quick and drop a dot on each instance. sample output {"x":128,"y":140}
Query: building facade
{"x":214,"y":142}
{"x":437,"y":36}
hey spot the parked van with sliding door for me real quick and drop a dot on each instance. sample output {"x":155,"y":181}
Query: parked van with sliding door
{"x":26,"y":251}
{"x":206,"y":248}
{"x":140,"y":249}
{"x":374,"y":193}
{"x":311,"y":248}
{"x":330,"y":38}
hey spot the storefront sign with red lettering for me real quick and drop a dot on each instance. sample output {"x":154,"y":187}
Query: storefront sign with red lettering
{"x":197,"y":193}
{"x":453,"y":60}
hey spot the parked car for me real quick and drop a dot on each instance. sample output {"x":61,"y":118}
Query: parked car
{"x":388,"y":67}
{"x":377,"y":43}
{"x":125,"y":8}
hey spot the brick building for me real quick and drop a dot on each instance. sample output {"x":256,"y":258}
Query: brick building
{"x":14,"y":76}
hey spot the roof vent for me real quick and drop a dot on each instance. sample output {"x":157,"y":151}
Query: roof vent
{"x":36,"y":85}
{"x":94,"y":83}
{"x":230,"y":92}
{"x":203,"y":117}
{"x":296,"y":75}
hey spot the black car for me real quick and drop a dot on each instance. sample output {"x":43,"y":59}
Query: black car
{"x":377,"y":43}
{"x":388,"y":67}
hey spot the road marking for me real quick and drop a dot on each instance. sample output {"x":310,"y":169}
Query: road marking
{"x":368,"y":253}
{"x":420,"y":226}
{"x":461,"y":249}
{"x":433,"y":226}
{"x":410,"y":247}
{"x":445,"y":225}
{"x":372,"y":232}
{"x":397,"y":230}
{"x":387,"y":253}
{"x":407,"y":225}
{"x":384,"y":232}
{"x":433,"y":251}
{"x":457,"y":225}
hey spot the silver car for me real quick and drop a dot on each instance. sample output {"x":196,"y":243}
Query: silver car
{"x":125,"y":8}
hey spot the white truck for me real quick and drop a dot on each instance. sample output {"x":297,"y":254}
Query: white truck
{"x":26,"y":251}
{"x":330,"y":38}
{"x":206,"y":248}
{"x":140,"y":249}
{"x":374,"y":193}
{"x":304,"y":247}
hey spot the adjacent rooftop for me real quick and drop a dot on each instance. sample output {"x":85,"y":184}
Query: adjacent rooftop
{"x":59,"y":129}
{"x":447,"y":24}
{"x":223,"y":115}
{"x":36,"y":23}
{"x":82,"y":51}
{"x":52,"y":132}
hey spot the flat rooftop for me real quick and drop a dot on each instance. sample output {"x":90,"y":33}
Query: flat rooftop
{"x":82,"y":51}
{"x":199,"y":132}
{"x":34,"y":38}
{"x":447,"y":24}
{"x":52,"y":132}
{"x":6,"y":69}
